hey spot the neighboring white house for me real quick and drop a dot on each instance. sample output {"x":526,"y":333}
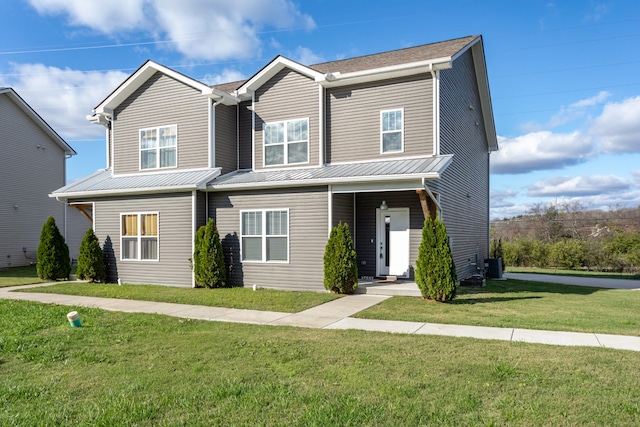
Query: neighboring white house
{"x":32,"y":165}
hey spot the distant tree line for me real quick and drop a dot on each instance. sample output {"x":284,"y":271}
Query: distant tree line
{"x":568,"y":236}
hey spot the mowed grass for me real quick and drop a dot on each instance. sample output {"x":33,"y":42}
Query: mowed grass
{"x":16,"y":276}
{"x":581,"y":273}
{"x":243,"y":298}
{"x":152,"y":370}
{"x":523,"y":304}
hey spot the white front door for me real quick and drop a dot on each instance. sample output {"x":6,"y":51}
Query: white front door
{"x":393,"y":242}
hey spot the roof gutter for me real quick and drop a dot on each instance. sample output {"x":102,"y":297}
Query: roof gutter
{"x":337,"y":78}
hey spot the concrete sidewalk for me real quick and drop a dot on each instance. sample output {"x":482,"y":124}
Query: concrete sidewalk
{"x":595,"y":282}
{"x":332,"y":315}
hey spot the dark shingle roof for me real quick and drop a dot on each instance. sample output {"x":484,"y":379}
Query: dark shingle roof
{"x":378,"y":60}
{"x":395,"y":57}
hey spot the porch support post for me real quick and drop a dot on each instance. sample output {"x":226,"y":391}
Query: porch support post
{"x":423,"y":202}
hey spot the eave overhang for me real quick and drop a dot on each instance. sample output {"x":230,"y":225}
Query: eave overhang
{"x":102,"y":183}
{"x":141,"y":75}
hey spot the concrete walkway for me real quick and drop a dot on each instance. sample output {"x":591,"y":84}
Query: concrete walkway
{"x":332,"y":315}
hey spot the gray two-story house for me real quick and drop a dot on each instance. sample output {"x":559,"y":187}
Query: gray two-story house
{"x":379,"y":142}
{"x":32,"y":165}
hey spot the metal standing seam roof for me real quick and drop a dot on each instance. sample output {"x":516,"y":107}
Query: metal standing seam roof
{"x":104,"y":182}
{"x":351,"y":172}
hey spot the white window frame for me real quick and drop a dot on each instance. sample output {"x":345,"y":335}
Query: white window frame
{"x":157,"y":148}
{"x":383,"y":132}
{"x":264,"y":236}
{"x":285,"y":143}
{"x":139,"y":237}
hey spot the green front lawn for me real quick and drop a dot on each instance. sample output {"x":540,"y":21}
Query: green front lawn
{"x":522,"y":304}
{"x":15,"y":276}
{"x":152,"y":370}
{"x":245,"y":298}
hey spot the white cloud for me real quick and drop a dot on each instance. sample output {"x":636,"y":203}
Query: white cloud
{"x":498,"y":198}
{"x":575,"y":111}
{"x":618,"y":127}
{"x":199,"y":29}
{"x":227,"y":76}
{"x":63,"y":97}
{"x":104,"y":16}
{"x":305,"y":56}
{"x":585,"y":185}
{"x":541,"y":151}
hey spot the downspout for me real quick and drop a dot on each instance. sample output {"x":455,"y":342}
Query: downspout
{"x":435,"y":76}
{"x":212,"y":131}
{"x":321,"y":124}
{"x":253,"y":131}
{"x":330,"y":210}
{"x":193,"y":234}
{"x":237,"y":136}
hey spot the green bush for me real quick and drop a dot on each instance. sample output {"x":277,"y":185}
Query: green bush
{"x":90,"y":260}
{"x":568,"y":254}
{"x":340,"y":264}
{"x":53,"y":253}
{"x":208,"y":258}
{"x":435,"y":271}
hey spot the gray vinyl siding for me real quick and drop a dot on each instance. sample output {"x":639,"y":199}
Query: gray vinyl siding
{"x":464,"y":186}
{"x":288,"y":95}
{"x":162,"y":101}
{"x":366,"y":239}
{"x":353,"y":118}
{"x":201,"y":208}
{"x":226,"y":143}
{"x":175,"y":238}
{"x":343,"y":210}
{"x":244,"y":135}
{"x":308,"y":233}
{"x":32,"y":166}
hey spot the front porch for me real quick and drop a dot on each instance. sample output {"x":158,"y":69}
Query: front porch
{"x":404,"y":288}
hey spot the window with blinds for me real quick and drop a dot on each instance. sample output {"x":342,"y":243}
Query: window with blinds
{"x":265,"y":235}
{"x":159,"y":147}
{"x":139,"y":236}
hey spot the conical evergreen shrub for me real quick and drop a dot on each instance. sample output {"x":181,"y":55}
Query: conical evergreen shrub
{"x":53,"y":253}
{"x":90,"y":260}
{"x":435,"y":272}
{"x":208,"y":258}
{"x":340,"y":264}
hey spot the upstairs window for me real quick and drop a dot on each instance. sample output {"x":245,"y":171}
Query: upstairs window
{"x":391,"y":131}
{"x":159,"y":147}
{"x":139,"y":236}
{"x":265,"y":235}
{"x":286,"y":143}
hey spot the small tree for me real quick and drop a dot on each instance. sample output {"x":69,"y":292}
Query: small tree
{"x":90,"y":260}
{"x":208,"y":258}
{"x":435,"y":271}
{"x":340,"y":265}
{"x":53,"y":253}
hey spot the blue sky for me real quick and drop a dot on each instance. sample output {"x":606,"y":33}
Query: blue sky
{"x":563,"y":74}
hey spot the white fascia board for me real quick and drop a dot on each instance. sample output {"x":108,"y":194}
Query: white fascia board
{"x":485,"y":95}
{"x":124,"y":192}
{"x":220,"y":96}
{"x":136,"y":80}
{"x":271,"y":70}
{"x":325,"y":181}
{"x":400,"y":70}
